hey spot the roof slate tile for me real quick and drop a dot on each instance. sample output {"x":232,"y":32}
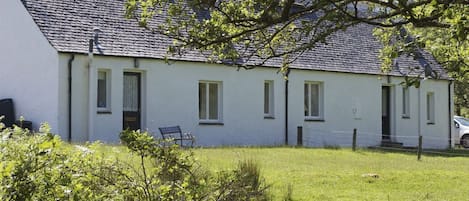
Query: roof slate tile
{"x":68,"y":25}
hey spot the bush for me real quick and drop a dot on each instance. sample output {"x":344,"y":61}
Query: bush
{"x":42,"y":167}
{"x":164,"y":172}
{"x":243,"y":183}
{"x":176,"y":175}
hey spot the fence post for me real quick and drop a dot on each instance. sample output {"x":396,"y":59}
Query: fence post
{"x":299,"y":136}
{"x":354,"y":139}
{"x":419,"y":150}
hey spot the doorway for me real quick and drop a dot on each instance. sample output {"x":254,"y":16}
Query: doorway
{"x":386,"y":113}
{"x":132,"y":101}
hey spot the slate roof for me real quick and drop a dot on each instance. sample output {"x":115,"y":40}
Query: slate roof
{"x":68,"y":25}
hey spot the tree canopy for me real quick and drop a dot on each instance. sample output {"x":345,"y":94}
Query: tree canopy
{"x":249,"y":33}
{"x":258,"y":30}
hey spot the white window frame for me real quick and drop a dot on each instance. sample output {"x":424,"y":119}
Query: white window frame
{"x":405,"y":102}
{"x":430,"y":107}
{"x":307,"y":100}
{"x":220,"y":102}
{"x":269,"y":99}
{"x":107,"y":108}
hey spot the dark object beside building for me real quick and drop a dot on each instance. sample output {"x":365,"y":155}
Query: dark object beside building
{"x":8,"y":111}
{"x":24,"y":124}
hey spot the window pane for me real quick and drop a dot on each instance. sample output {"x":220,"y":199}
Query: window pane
{"x":102,"y":90}
{"x":405,"y":101}
{"x":404,"y":111}
{"x":202,"y":101}
{"x":102,"y":75}
{"x":266,"y":97}
{"x":213,"y":101}
{"x":430,"y":108}
{"x":314,"y":100}
{"x":306,"y":100}
{"x":131,"y":93}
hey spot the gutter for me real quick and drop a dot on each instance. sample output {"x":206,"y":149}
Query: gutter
{"x":70,"y":62}
{"x":286,"y":105}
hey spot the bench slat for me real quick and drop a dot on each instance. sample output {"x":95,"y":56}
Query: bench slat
{"x":172,"y":129}
{"x":171,"y":133}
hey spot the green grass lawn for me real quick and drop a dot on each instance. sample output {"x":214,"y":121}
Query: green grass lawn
{"x":328,"y":174}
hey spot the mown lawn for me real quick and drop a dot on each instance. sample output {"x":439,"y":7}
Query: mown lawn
{"x":329,"y":174}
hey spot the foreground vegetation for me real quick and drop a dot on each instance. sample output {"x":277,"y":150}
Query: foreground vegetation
{"x":42,"y":167}
{"x":340,"y":174}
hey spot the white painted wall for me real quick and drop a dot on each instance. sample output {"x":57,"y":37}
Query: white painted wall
{"x":170,"y":97}
{"x":433,"y":134}
{"x":406,"y":129}
{"x":35,"y":76}
{"x":28,"y":67}
{"x":79,"y":102}
{"x":344,"y":92}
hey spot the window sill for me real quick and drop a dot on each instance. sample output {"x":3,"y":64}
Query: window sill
{"x":405,"y":117}
{"x":104,"y":112}
{"x":269,"y":117}
{"x":314,"y":120}
{"x":430,"y":123}
{"x":211,"y":123}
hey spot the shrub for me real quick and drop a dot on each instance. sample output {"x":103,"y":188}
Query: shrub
{"x":176,"y":175}
{"x":164,"y":172}
{"x":40,"y":167}
{"x":43,"y":167}
{"x":243,"y":183}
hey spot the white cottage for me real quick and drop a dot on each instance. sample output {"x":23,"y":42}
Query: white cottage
{"x":47,"y":70}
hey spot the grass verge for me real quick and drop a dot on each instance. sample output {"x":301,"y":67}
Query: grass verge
{"x":340,"y":174}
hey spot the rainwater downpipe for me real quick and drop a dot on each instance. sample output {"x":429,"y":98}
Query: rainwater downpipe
{"x":70,"y":62}
{"x":419,"y":109}
{"x":90,"y":90}
{"x":286,"y":105}
{"x":450,"y":119}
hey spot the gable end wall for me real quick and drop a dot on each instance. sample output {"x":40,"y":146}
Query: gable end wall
{"x":28,"y":67}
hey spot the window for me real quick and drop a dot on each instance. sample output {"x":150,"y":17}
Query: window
{"x":269,"y":99}
{"x":430,"y":108}
{"x":210,"y":101}
{"x":463,"y":121}
{"x":104,"y":91}
{"x":405,"y":102}
{"x":313,"y":98}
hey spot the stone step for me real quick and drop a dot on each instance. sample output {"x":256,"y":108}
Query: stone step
{"x":391,"y":144}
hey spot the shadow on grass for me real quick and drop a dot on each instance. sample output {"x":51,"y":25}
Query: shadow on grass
{"x":457,"y":152}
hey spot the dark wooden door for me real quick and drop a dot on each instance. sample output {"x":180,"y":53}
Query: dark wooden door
{"x":386,"y":113}
{"x":131,"y":102}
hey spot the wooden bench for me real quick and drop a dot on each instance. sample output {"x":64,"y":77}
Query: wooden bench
{"x":174,"y":133}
